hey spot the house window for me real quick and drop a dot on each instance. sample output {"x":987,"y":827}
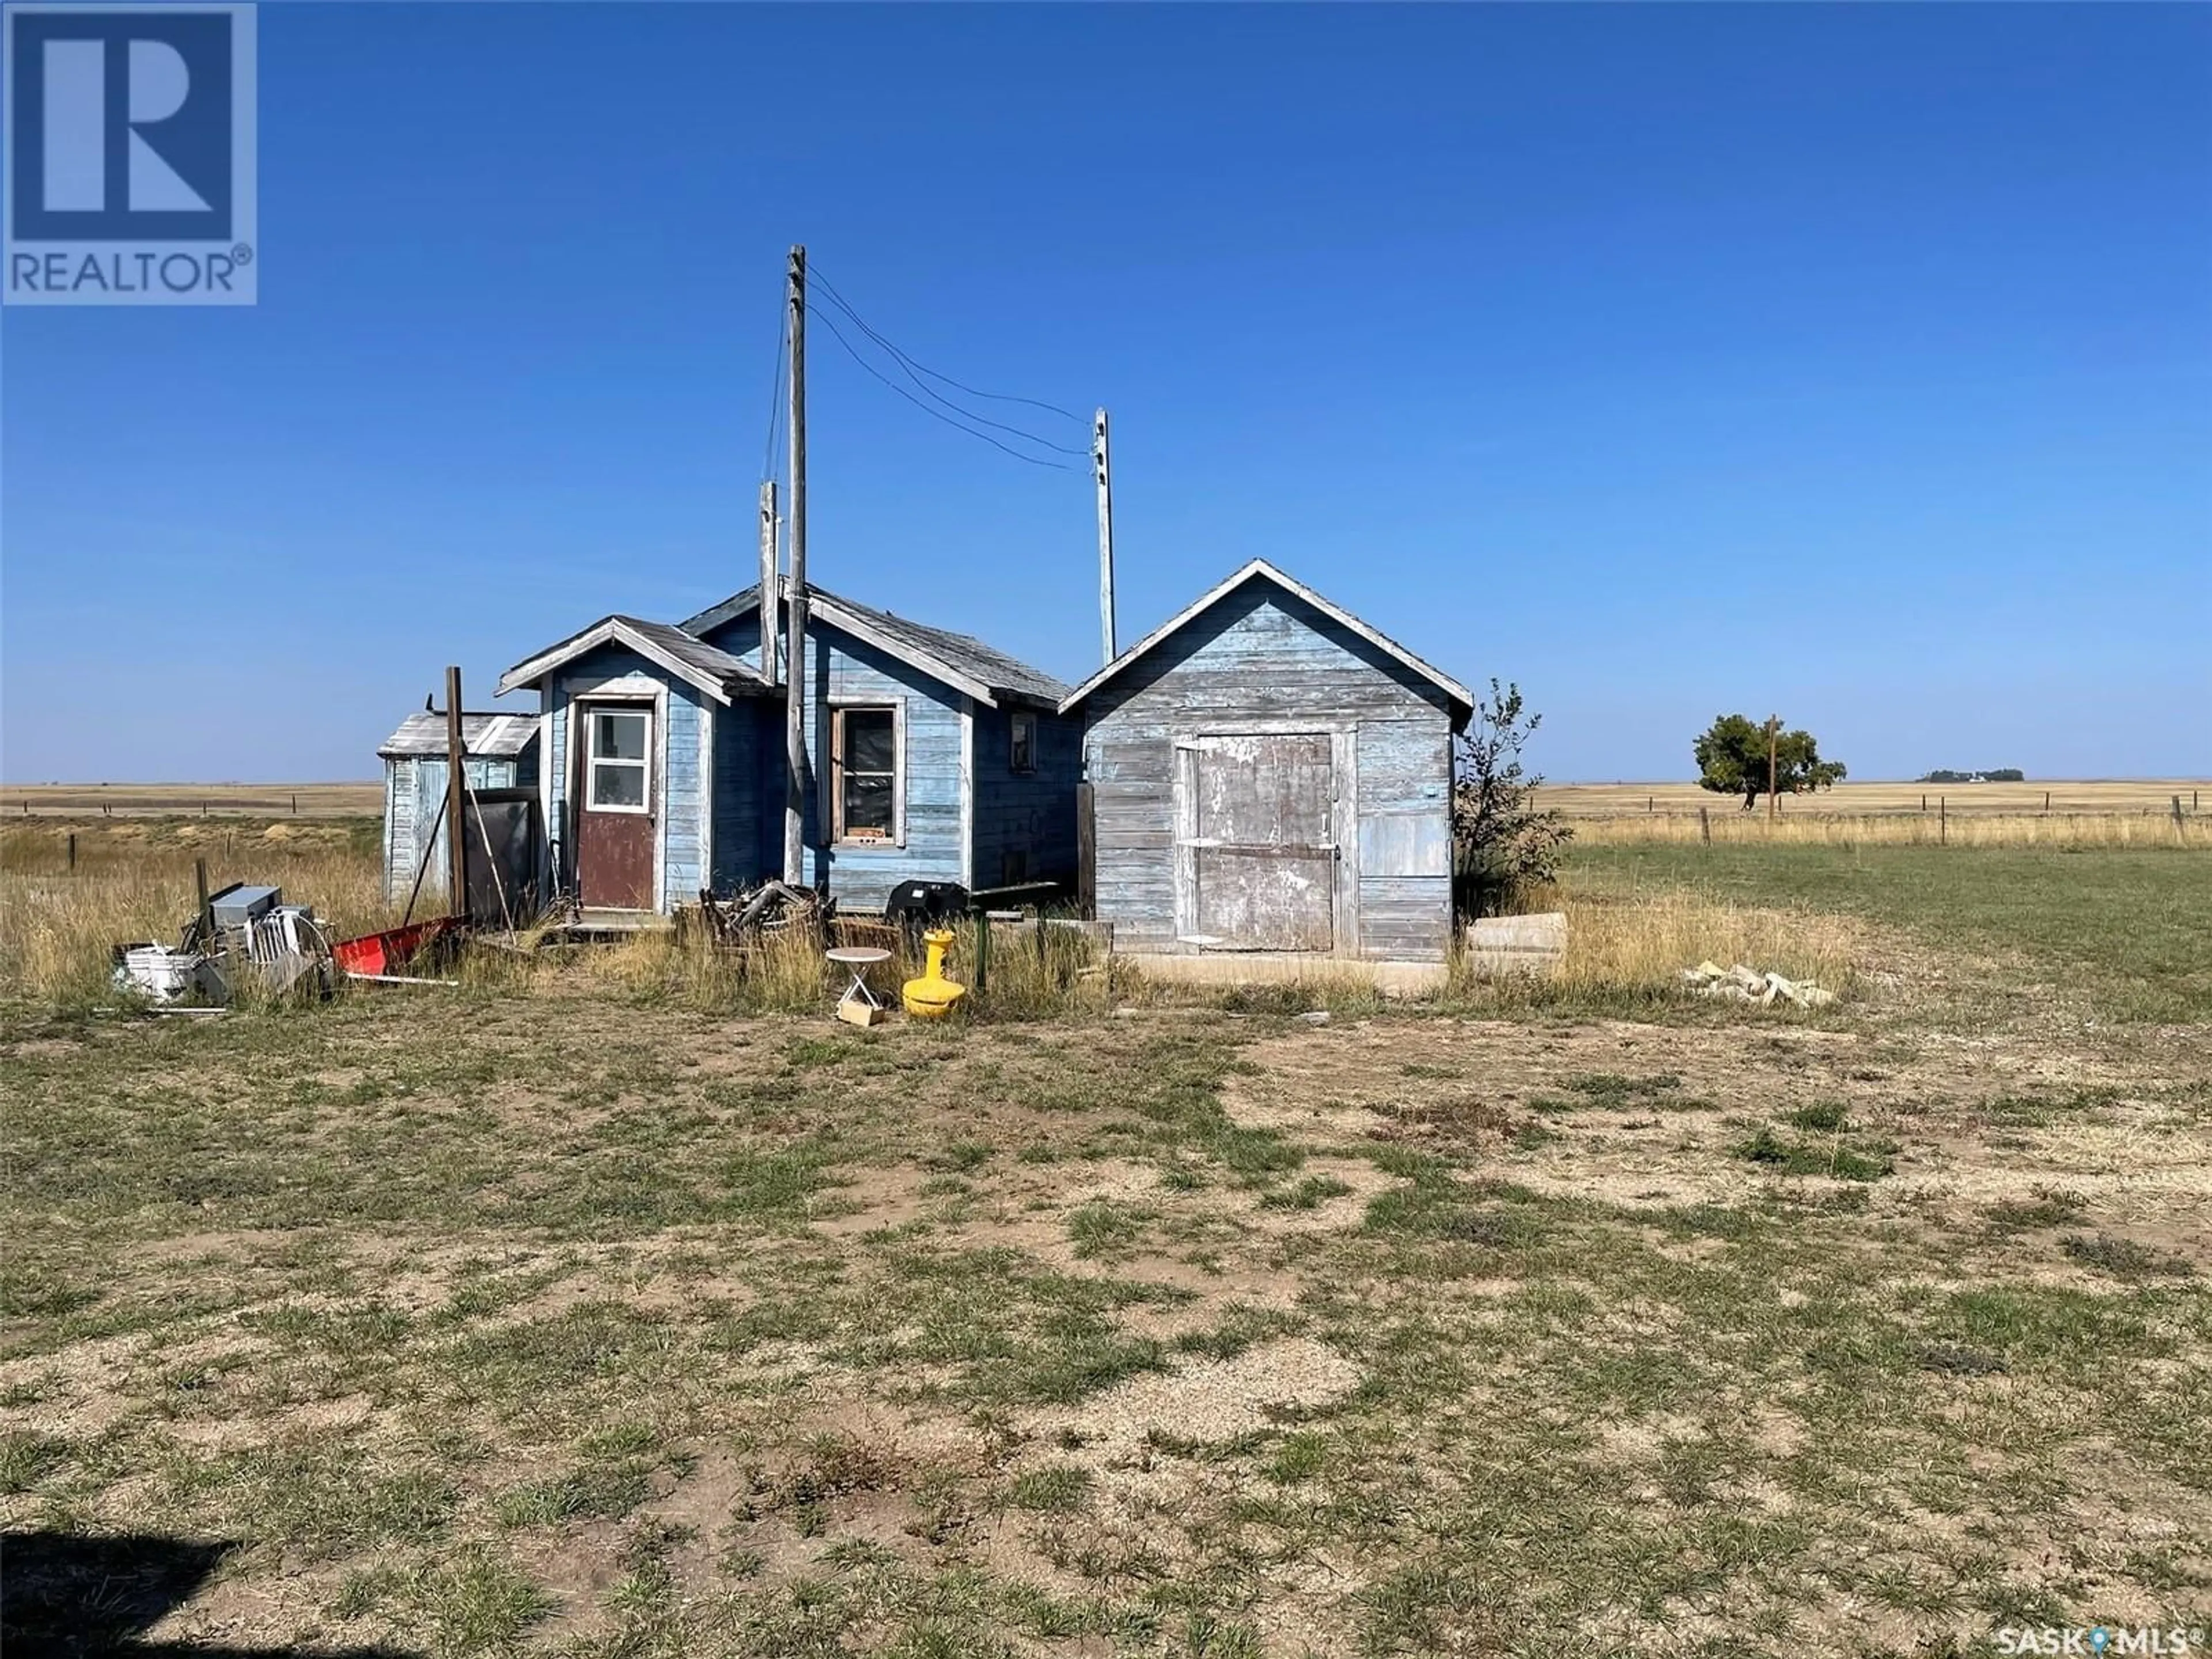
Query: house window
{"x":1022,"y":747}
{"x":617,"y":757}
{"x":864,"y":761}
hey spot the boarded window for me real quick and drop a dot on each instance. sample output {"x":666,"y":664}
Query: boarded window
{"x":864,"y":754}
{"x":618,"y":763}
{"x":1021,"y":744}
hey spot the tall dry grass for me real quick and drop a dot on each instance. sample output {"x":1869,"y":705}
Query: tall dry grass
{"x":58,"y":928}
{"x":1733,"y":827}
{"x":1033,"y":974}
{"x":1633,"y":947}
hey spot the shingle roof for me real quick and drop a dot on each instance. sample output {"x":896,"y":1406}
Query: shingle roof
{"x":713,"y":670}
{"x":498,"y":737}
{"x":935,"y":650}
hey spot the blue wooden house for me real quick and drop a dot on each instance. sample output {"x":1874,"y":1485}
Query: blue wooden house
{"x":1266,"y":773}
{"x":930,"y":756}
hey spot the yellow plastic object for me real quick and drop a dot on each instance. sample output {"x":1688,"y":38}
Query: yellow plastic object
{"x":933,"y":995}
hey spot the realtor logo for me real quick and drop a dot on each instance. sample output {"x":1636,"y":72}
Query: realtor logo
{"x":129,"y":175}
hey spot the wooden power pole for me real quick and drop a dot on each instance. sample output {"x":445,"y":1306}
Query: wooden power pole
{"x":794,"y":648}
{"x":1103,"y":463}
{"x":1774,"y":726}
{"x":457,"y":817}
{"x":767,"y":581}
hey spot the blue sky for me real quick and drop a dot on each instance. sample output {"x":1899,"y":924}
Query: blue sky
{"x":1851,"y":362}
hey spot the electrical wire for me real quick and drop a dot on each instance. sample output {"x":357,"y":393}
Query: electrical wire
{"x":938,"y":397}
{"x":830,"y":323}
{"x":915,"y":368}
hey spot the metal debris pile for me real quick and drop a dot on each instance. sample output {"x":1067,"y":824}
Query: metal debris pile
{"x":242,"y":931}
{"x":1744,"y":984}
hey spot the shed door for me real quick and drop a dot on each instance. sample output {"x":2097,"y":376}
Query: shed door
{"x":615,"y":823}
{"x":1256,"y":857}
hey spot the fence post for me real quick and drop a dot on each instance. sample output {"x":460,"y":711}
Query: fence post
{"x":207,"y":910}
{"x":72,"y":864}
{"x":1705,"y":826}
{"x":295,"y":806}
{"x":2046,"y":803}
{"x":982,"y":950}
{"x":2178,"y":826}
{"x":1942,"y":820}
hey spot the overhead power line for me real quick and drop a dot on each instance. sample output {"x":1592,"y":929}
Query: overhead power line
{"x":830,"y":323}
{"x":914,"y":369}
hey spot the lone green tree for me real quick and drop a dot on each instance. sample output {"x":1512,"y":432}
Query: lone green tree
{"x":1732,"y":760}
{"x":1501,"y":842}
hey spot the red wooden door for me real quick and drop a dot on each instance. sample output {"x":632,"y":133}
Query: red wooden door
{"x":615,"y":825}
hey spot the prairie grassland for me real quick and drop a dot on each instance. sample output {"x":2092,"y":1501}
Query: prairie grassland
{"x":2095,"y":796}
{"x":100,"y":801}
{"x":1799,"y":825}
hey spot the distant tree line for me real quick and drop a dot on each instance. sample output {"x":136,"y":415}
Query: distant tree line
{"x":1993,"y":775}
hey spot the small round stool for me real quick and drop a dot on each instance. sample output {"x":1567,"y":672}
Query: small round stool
{"x":856,"y":960}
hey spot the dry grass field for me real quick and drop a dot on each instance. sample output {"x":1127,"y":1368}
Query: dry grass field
{"x":2123,"y":814}
{"x":591,"y":1309}
{"x":2078,"y":797}
{"x":259,"y":800}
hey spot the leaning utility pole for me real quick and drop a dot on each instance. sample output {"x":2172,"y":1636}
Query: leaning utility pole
{"x":768,"y":581}
{"x":794,"y":648}
{"x":1774,"y":726}
{"x":457,"y":783}
{"x":1103,"y":466}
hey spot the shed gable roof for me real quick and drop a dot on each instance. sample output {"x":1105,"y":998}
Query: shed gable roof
{"x":484,"y":737}
{"x":960,"y":660}
{"x":1461,"y":699}
{"x":686,"y":655}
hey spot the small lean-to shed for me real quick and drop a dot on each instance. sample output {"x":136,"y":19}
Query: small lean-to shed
{"x":500,"y":751}
{"x":1266,"y":772}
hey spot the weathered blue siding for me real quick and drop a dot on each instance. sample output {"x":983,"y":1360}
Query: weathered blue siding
{"x":682,"y":817}
{"x":1031,"y":813}
{"x":841,"y":669}
{"x":1261,"y":659}
{"x":414,"y":789}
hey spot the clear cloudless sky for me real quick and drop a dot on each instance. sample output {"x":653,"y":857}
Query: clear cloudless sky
{"x":1853,"y":362}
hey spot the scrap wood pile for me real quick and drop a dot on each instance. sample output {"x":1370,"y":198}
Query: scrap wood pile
{"x":757,"y":914}
{"x":1744,"y":984}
